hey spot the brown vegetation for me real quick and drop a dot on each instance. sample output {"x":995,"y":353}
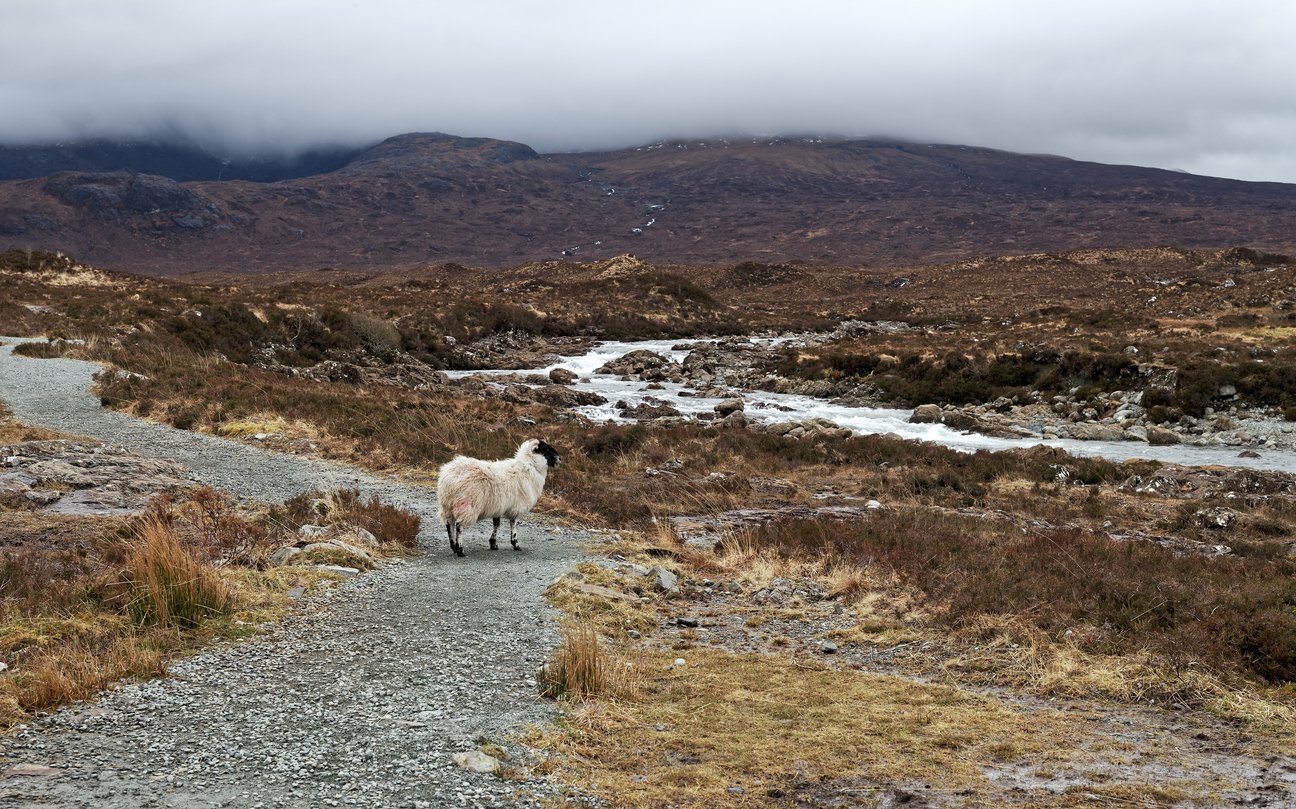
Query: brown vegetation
{"x":85,"y":601}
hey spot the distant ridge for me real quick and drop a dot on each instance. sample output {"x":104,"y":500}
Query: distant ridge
{"x":424,"y":198}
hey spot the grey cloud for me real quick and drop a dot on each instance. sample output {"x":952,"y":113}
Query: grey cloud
{"x":1204,"y":86}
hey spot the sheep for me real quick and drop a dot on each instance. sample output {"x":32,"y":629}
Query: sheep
{"x":470,"y":490}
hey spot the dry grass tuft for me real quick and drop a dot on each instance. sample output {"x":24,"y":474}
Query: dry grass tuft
{"x":169,"y":587}
{"x":583,"y":667}
{"x":77,"y":670}
{"x":727,"y":720}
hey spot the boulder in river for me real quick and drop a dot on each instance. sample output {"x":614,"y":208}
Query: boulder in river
{"x":636,"y":362}
{"x":561,"y":376}
{"x":1160,"y":436}
{"x":926,"y":414}
{"x":729,"y":406}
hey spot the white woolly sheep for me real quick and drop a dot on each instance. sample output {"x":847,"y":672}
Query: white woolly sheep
{"x":470,"y":490}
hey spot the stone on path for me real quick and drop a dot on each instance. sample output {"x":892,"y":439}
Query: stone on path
{"x":30,"y":771}
{"x":664,"y":580}
{"x":477,"y":761}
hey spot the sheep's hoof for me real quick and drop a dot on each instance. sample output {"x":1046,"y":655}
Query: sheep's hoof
{"x":459,"y":552}
{"x":516,"y":547}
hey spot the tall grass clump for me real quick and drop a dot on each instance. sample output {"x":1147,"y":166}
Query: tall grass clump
{"x":582,"y":667}
{"x":168,"y":586}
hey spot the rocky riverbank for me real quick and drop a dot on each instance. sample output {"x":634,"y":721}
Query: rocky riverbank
{"x":732,"y":367}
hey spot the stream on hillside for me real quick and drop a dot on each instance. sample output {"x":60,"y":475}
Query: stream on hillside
{"x":764,"y":407}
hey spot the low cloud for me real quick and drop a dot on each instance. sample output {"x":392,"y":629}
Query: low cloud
{"x":1203,"y":87}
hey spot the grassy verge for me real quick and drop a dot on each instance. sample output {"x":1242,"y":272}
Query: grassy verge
{"x":86,"y":602}
{"x":743,"y":730}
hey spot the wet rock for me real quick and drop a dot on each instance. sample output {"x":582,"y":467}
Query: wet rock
{"x":1160,"y":436}
{"x":91,"y":503}
{"x":561,"y":376}
{"x":926,"y":414}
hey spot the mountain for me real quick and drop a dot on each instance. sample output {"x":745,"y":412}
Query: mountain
{"x":425,"y":198}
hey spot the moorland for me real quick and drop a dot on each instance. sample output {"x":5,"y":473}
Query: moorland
{"x":1005,"y":617}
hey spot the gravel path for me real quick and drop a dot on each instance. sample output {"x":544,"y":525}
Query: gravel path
{"x":360,"y":698}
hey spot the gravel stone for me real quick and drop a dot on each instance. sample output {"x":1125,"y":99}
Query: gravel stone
{"x":361,"y":697}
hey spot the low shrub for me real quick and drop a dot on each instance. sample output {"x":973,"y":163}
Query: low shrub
{"x":1235,"y":614}
{"x":346,"y":507}
{"x":42,"y":350}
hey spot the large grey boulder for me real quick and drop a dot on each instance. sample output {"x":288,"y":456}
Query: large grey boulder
{"x":729,"y":406}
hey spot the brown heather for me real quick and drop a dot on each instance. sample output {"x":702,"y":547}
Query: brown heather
{"x":1102,"y":595}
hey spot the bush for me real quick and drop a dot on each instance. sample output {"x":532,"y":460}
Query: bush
{"x":45,"y":350}
{"x":346,"y":507}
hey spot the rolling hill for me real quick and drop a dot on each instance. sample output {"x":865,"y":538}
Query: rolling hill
{"x":424,"y":198}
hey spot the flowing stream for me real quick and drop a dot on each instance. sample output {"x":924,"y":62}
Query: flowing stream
{"x":764,"y":407}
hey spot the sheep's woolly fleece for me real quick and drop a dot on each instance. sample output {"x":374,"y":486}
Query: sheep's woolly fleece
{"x":470,"y":490}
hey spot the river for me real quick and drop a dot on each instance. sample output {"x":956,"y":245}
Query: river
{"x":764,"y":407}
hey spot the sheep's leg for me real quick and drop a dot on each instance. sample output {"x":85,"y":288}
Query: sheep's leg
{"x":450,"y":533}
{"x":494,"y":532}
{"x":458,"y":548}
{"x":513,"y":533}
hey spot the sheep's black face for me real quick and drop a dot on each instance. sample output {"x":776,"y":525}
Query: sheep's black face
{"x":549,"y":453}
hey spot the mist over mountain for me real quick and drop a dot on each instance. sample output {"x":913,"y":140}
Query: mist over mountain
{"x":424,"y":198}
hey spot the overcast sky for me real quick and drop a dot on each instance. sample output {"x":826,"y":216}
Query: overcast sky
{"x":1208,"y":87}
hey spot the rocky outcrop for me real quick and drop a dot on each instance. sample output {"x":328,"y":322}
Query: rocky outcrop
{"x":329,"y":544}
{"x":83,"y":478}
{"x":648,"y":410}
{"x":636,"y":363}
{"x":808,"y":429}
